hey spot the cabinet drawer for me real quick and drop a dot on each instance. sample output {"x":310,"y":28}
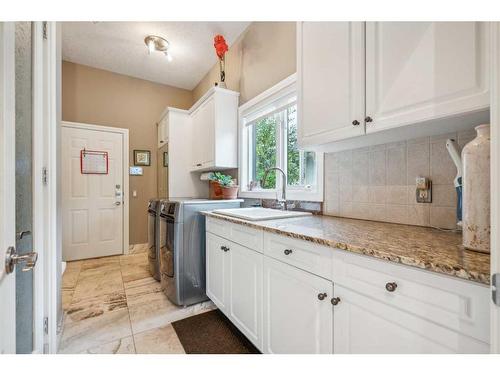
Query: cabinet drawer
{"x":241,"y":234}
{"x":458,"y":305}
{"x":219,"y":227}
{"x":301,"y":254}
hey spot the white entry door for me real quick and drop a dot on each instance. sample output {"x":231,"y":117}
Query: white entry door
{"x":7,"y":188}
{"x":92,"y":204}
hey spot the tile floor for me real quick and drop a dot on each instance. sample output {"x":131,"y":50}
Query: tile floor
{"x":113,"y":306}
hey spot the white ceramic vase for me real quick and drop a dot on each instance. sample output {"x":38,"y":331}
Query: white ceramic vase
{"x":476,"y":191}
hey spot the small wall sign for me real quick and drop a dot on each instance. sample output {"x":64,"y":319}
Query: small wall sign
{"x":135,"y":171}
{"x":142,"y":157}
{"x":93,"y":162}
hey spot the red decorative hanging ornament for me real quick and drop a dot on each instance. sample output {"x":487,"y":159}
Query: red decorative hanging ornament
{"x":220,"y":49}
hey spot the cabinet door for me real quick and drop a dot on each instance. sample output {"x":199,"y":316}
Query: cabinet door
{"x":161,"y":133}
{"x":246,"y":291}
{"x":296,"y":320}
{"x":365,"y":326}
{"x":418,"y":71}
{"x":197,"y":139}
{"x":217,"y":267}
{"x":331,"y":79}
{"x":207,"y":132}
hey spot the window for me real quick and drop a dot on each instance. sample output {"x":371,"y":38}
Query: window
{"x":268,"y":139}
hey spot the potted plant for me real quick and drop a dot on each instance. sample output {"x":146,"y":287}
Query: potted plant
{"x":228,"y":185}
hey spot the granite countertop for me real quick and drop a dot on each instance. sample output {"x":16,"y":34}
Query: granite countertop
{"x":421,"y":247}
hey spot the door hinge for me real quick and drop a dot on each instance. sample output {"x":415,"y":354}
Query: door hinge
{"x":44,"y":28}
{"x":44,"y":176}
{"x":495,"y":288}
{"x":46,"y":325}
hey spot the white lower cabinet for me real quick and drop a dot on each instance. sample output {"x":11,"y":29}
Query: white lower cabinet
{"x":246,"y":291}
{"x":279,"y":301}
{"x":365,"y":326}
{"x":297,"y":310}
{"x":217,"y":265}
{"x":234,"y":284}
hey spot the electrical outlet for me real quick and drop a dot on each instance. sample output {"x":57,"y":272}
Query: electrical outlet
{"x":423,"y":190}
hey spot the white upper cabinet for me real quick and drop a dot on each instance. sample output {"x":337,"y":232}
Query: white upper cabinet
{"x":215,"y":130}
{"x":418,"y":71}
{"x":388,"y":75}
{"x":331,"y":81}
{"x":163,"y":131}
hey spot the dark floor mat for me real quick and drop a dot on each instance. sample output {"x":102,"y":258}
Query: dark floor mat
{"x":212,"y":333}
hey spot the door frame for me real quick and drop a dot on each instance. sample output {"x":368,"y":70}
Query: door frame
{"x":125,"y":190}
{"x":7,"y":182}
{"x":495,"y":178}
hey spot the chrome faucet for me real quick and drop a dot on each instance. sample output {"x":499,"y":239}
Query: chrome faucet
{"x":282,"y":201}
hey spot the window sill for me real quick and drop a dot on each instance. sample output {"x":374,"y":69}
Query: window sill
{"x":294,"y":195}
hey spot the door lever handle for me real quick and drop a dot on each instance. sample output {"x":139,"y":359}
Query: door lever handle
{"x":12,"y":258}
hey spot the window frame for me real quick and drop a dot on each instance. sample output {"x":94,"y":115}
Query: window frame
{"x":279,"y":93}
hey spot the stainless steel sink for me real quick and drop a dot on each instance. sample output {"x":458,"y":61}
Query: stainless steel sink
{"x":259,"y":213}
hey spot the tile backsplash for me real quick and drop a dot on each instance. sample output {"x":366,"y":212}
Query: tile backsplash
{"x":378,"y":182}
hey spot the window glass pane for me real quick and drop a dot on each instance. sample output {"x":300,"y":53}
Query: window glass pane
{"x":301,"y":165}
{"x":263,"y":150}
{"x":293,"y":157}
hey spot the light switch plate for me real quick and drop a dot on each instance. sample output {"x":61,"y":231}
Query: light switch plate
{"x":135,"y":171}
{"x":423,"y":191}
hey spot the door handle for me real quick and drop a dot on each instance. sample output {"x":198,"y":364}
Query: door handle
{"x":12,"y":258}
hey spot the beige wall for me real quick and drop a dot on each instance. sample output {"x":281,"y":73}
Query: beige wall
{"x":261,"y":57}
{"x":100,"y":97}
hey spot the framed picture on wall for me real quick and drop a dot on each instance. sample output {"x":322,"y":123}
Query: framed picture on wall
{"x":165,"y":159}
{"x":142,"y":157}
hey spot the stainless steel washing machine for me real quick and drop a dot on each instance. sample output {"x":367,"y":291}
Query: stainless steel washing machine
{"x":182,"y":247}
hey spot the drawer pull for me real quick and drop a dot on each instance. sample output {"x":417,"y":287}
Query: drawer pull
{"x":322,"y":296}
{"x":391,"y":287}
{"x":288,"y":251}
{"x":335,"y":301}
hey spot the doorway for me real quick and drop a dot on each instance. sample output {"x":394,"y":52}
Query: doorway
{"x":94,"y":162}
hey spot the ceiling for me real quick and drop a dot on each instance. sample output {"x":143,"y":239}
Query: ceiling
{"x":119,"y":47}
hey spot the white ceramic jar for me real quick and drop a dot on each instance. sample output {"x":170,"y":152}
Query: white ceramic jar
{"x":476,"y":191}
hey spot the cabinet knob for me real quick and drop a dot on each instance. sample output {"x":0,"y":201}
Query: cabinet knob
{"x":335,"y":301}
{"x":161,"y":141}
{"x":224,"y":248}
{"x":355,"y":122}
{"x":322,"y":296}
{"x":287,"y":251}
{"x":368,"y":119}
{"x":391,"y":287}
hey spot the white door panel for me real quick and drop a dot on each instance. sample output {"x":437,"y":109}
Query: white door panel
{"x":296,"y":320}
{"x":7,"y":187}
{"x":217,"y":264}
{"x":363,"y":325}
{"x":331,"y":77}
{"x":417,"y":71}
{"x":92,"y":219}
{"x":246,"y":291}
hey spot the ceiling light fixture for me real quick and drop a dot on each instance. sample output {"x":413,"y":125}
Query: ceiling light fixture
{"x":157,"y":43}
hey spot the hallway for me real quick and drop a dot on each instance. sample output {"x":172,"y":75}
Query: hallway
{"x":113,"y":306}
